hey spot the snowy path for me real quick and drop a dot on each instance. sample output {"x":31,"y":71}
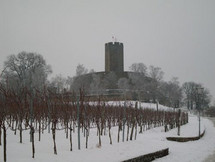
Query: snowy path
{"x":150,"y":141}
{"x":194,"y":151}
{"x":211,"y":158}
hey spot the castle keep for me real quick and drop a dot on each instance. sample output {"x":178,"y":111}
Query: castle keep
{"x":114,"y":59}
{"x":107,"y":83}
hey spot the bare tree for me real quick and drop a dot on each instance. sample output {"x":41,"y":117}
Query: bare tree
{"x":59,"y":82}
{"x":27,"y":69}
{"x":110,"y":81}
{"x":96,"y":86}
{"x":172,"y":91}
{"x":139,"y":68}
{"x":123,"y":83}
{"x":81,"y":70}
{"x":190,"y":91}
{"x":156,"y":75}
{"x":138,"y":83}
{"x":80,"y":80}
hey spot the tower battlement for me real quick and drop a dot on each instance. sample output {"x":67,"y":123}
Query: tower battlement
{"x":114,"y":43}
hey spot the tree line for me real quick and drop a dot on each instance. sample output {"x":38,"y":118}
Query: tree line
{"x":142,"y":83}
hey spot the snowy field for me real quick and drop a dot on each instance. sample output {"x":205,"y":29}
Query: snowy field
{"x":150,"y":141}
{"x":139,"y":104}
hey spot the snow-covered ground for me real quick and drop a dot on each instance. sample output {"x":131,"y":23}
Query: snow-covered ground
{"x":194,"y":151}
{"x":139,"y":104}
{"x":150,"y":141}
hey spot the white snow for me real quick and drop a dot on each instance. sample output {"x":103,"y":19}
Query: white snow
{"x":143,"y":105}
{"x":149,"y":141}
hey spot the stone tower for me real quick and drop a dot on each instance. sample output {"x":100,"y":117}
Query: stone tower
{"x":114,"y":59}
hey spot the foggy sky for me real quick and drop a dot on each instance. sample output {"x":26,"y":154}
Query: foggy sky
{"x":176,"y":35}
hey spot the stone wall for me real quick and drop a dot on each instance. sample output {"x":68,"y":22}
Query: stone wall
{"x":149,"y":157}
{"x":185,"y":139}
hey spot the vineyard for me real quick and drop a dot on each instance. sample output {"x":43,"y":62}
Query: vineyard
{"x":38,"y":111}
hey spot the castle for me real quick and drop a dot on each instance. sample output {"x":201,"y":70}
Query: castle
{"x":106,"y":82}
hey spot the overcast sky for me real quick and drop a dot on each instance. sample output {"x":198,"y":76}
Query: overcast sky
{"x":176,"y":35}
